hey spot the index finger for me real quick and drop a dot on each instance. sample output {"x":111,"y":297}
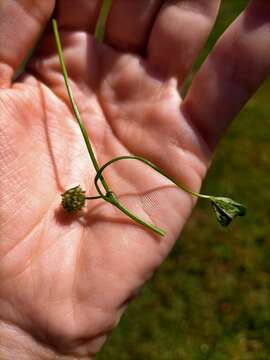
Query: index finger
{"x":231,"y":74}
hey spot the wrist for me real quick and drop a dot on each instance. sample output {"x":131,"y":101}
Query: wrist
{"x":16,"y":343}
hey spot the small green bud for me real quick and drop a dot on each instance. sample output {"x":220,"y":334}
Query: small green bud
{"x":73,"y":199}
{"x":227,"y":209}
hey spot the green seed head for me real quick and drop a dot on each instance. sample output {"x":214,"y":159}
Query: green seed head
{"x":73,"y":199}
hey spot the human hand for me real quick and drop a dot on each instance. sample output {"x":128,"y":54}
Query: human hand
{"x":66,"y":280}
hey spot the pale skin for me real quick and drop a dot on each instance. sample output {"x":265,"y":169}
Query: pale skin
{"x":65,"y":280}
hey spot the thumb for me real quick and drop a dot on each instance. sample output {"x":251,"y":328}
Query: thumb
{"x":21,"y":22}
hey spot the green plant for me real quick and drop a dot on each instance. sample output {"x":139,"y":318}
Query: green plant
{"x":74,"y":199}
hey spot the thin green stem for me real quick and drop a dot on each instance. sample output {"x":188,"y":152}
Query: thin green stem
{"x":101,"y":24}
{"x":135,"y":218}
{"x":93,"y":197}
{"x":111,"y":198}
{"x":73,"y":104}
{"x":153,"y":166}
{"x":108,"y":197}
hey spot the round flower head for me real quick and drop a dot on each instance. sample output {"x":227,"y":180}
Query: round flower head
{"x":73,"y":199}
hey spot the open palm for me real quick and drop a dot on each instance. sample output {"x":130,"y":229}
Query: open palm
{"x":66,"y":279}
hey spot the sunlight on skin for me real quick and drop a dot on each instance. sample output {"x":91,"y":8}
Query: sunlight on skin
{"x":65,"y":280}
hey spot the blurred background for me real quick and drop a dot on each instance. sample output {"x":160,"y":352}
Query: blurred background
{"x":211,"y":298}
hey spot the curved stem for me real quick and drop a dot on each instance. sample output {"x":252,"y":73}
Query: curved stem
{"x":93,"y":197}
{"x":73,"y":104}
{"x":135,"y":218}
{"x":111,"y":198}
{"x":100,"y":28}
{"x":153,"y":166}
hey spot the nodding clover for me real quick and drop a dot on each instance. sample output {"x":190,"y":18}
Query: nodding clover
{"x":227,"y":209}
{"x":74,"y":199}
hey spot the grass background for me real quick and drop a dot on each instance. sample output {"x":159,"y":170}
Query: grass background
{"x":211,"y":297}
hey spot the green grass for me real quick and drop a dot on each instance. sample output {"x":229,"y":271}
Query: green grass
{"x":211,"y":297}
